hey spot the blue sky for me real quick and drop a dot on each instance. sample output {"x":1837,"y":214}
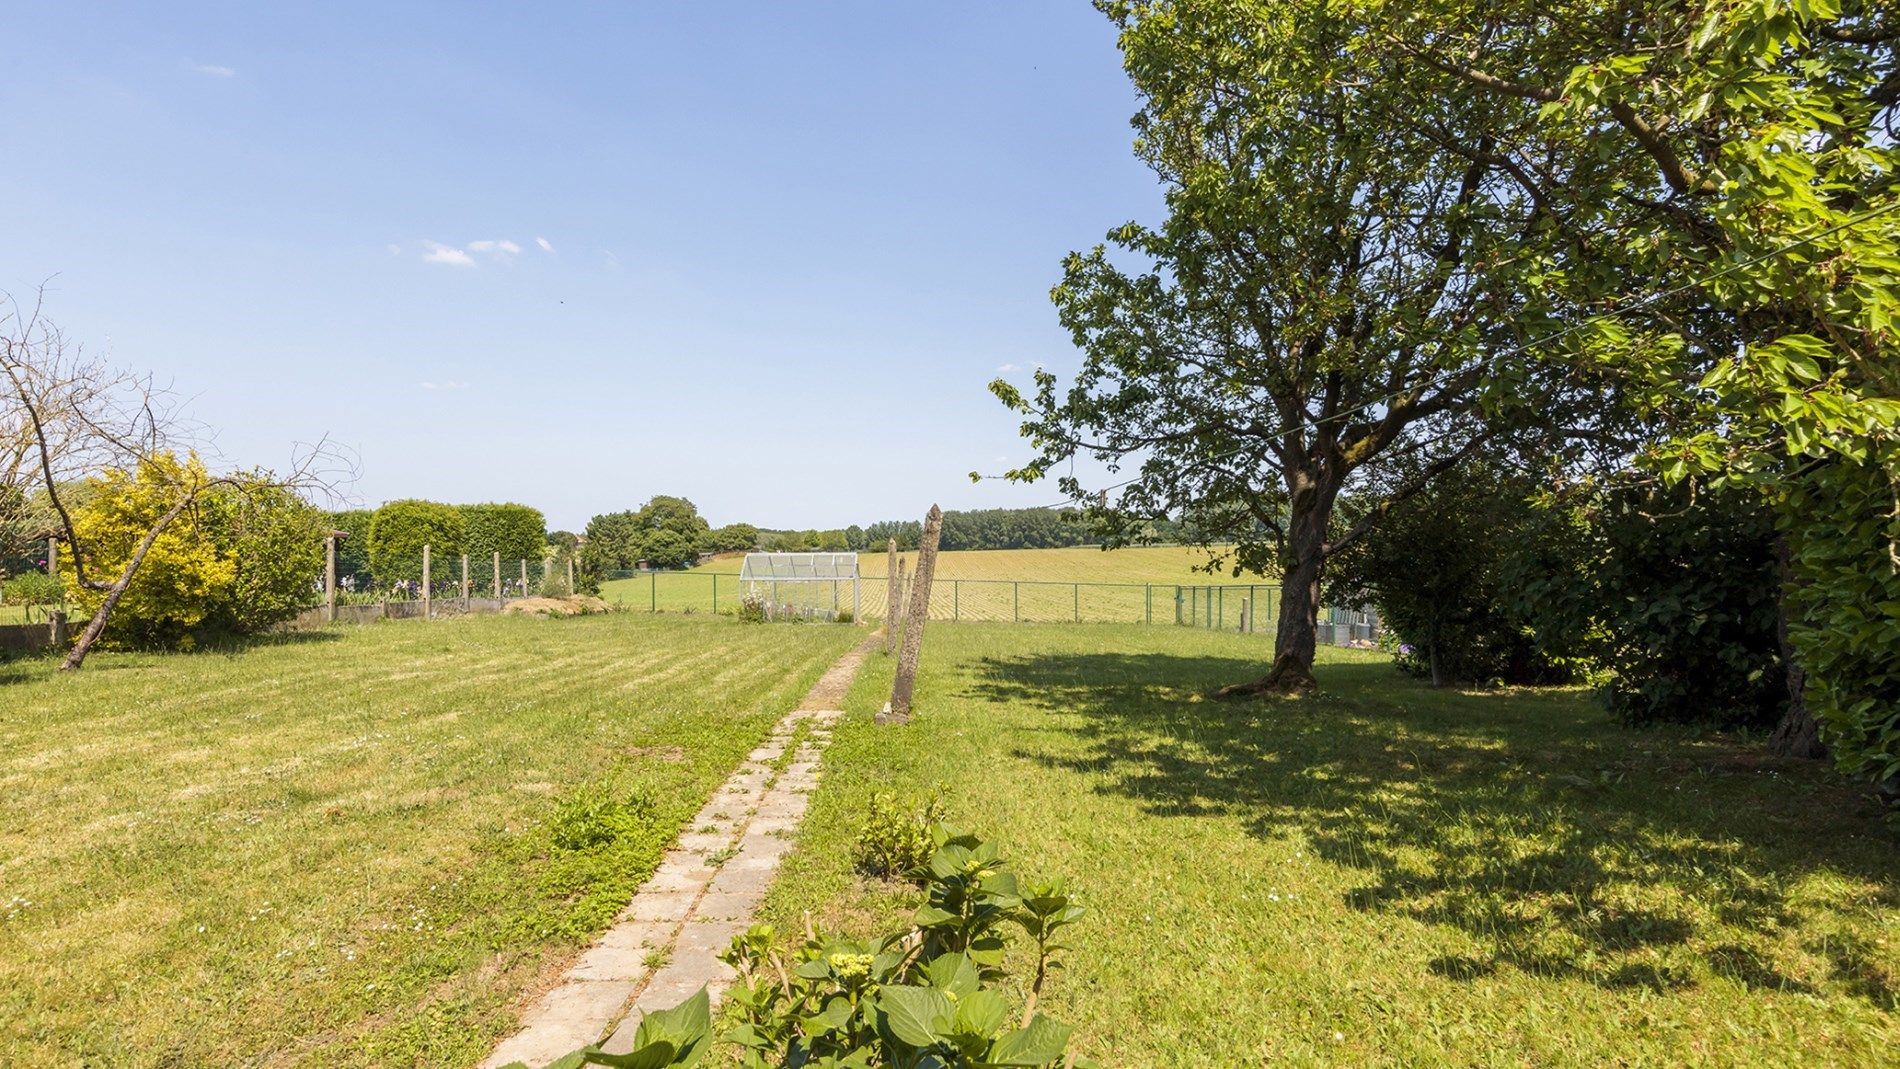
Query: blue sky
{"x":763,"y":255}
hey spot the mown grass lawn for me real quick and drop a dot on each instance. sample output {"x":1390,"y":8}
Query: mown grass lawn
{"x":357,"y":847}
{"x":1383,"y":874}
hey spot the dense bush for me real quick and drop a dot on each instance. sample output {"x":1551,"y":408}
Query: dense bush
{"x":1847,"y":616}
{"x":517,"y":532}
{"x":1437,"y":566}
{"x":243,"y":558}
{"x":399,"y":530}
{"x":1673,"y":591}
{"x":733,"y":538}
{"x":895,"y":842}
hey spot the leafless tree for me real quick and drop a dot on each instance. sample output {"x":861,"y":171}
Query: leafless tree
{"x":68,"y":416}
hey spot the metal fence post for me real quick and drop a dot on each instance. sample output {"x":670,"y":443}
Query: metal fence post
{"x":1075,"y":591}
{"x":956,"y":599}
{"x":715,"y":576}
{"x":653,"y":591}
{"x":1148,"y":604}
{"x":1015,"y":601}
{"x":427,"y":594}
{"x":1177,"y":605}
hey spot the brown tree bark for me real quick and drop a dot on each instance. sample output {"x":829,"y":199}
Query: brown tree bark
{"x":913,"y":647}
{"x":1798,"y":734}
{"x":97,"y":625}
{"x":1296,"y":635}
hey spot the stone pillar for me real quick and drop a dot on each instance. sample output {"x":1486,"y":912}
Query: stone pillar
{"x":913,"y":648}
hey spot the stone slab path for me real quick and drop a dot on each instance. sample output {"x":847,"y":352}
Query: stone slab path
{"x":664,"y":946}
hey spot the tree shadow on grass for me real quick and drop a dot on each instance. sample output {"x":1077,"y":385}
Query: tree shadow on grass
{"x":1560,"y":843}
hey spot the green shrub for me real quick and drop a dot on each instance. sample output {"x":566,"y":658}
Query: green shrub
{"x":591,"y":817}
{"x":399,"y":530}
{"x":929,"y":994}
{"x":517,"y":532}
{"x":246,"y":557}
{"x":34,"y":590}
{"x":895,"y":841}
{"x":1846,"y":603}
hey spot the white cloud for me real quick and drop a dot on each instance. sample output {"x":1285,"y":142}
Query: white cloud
{"x":395,"y":249}
{"x":545,"y":245}
{"x":500,"y":245}
{"x":446,"y":254}
{"x":448,"y":384}
{"x":213,"y":70}
{"x":1006,"y":368}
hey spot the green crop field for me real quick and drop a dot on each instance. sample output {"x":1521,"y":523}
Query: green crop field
{"x":354,"y":847}
{"x":1382,"y":875}
{"x":990,"y":584}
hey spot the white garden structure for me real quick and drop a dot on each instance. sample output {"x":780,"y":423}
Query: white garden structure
{"x":812,"y":586}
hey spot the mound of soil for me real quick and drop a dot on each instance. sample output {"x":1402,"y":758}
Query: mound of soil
{"x":580,"y":605}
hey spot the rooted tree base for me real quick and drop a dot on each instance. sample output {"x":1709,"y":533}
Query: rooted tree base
{"x":1286,"y":678}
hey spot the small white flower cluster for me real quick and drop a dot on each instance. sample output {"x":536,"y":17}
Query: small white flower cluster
{"x":15,"y":906}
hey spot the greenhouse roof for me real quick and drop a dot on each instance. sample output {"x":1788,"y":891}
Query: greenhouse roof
{"x":792,"y":567}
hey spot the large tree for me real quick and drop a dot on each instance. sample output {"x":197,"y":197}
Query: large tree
{"x":1736,"y":161}
{"x":1306,"y":314}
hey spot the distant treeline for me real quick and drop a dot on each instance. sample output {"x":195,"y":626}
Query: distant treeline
{"x":972,"y":529}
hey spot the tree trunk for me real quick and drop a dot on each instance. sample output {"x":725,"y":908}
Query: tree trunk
{"x":1798,"y":735}
{"x":117,"y":590}
{"x":1296,"y":638}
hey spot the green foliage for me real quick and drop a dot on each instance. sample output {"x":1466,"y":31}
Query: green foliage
{"x":275,"y":540}
{"x":352,"y":550}
{"x":1670,"y":589}
{"x":733,"y":538}
{"x":590,"y":817}
{"x":243,"y":555}
{"x":666,"y":532}
{"x":399,"y":530}
{"x":896,"y":841}
{"x":1848,"y":625}
{"x":1439,"y":567}
{"x":930,"y":994}
{"x":665,"y":1039}
{"x":34,"y":590}
{"x":1748,"y":148}
{"x":517,"y":532}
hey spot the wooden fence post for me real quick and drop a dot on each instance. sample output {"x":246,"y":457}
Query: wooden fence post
{"x":427,"y":594}
{"x":329,"y":579}
{"x":906,"y":681}
{"x":464,"y":582}
{"x":893,"y":587}
{"x":498,"y":598}
{"x":56,"y":620}
{"x":570,"y":576}
{"x":524,"y":577}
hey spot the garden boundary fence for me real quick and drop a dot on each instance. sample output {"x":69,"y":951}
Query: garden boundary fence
{"x":1239,"y":607}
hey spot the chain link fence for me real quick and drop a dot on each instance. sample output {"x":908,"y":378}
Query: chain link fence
{"x":1027,"y":601}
